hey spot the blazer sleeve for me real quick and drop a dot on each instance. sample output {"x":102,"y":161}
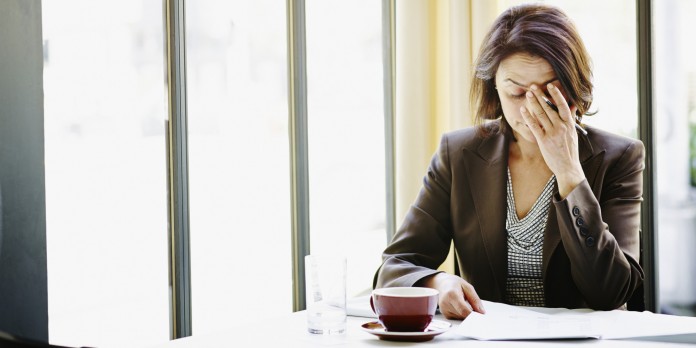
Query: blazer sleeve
{"x":602,"y":236}
{"x":423,"y":241}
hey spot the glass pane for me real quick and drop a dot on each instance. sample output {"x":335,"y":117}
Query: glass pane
{"x":608,"y":29}
{"x":105,"y":107}
{"x":675,"y":137}
{"x":346,"y":134}
{"x":238,"y":157}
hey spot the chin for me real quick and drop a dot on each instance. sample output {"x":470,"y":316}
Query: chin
{"x":525,"y":134}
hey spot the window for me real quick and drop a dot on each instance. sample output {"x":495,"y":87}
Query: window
{"x":674,"y":117}
{"x":106,"y":188}
{"x":346,"y":134}
{"x":105,"y":107}
{"x":238,"y":162}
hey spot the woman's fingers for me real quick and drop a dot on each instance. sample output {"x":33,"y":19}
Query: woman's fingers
{"x":541,"y":117}
{"x":453,"y":305}
{"x":472,"y":298}
{"x":458,"y":298}
{"x":538,"y":108}
{"x":462,"y":308}
{"x":532,"y":122}
{"x":559,"y":100}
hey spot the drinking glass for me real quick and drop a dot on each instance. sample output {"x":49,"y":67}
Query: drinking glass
{"x":326,"y":294}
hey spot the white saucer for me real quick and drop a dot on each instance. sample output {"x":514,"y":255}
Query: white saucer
{"x":435,"y":328}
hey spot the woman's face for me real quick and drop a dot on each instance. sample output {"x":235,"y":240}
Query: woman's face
{"x":514,"y":77}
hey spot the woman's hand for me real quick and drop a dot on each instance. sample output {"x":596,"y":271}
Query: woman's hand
{"x":457,"y":297}
{"x":556,"y":136}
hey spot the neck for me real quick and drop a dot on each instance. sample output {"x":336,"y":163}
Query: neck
{"x":525,"y":151}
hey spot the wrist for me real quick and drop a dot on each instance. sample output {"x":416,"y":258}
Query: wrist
{"x":569,"y":181}
{"x":432,"y":281}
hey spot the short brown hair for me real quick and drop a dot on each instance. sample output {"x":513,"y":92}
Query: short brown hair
{"x":539,"y":30}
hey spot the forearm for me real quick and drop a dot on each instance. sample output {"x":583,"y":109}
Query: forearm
{"x":603,"y":256}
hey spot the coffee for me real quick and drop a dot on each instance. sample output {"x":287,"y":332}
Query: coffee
{"x":406,"y":323}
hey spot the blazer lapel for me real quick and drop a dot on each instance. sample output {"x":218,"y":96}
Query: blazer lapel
{"x":488,"y":173}
{"x":590,"y":161}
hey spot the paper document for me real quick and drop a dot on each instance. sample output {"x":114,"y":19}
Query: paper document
{"x":619,"y":324}
{"x":506,"y":322}
{"x":360,"y":307}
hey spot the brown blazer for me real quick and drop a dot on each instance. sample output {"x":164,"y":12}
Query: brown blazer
{"x":591,"y":241}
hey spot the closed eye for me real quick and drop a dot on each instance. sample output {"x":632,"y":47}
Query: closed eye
{"x":517,"y":96}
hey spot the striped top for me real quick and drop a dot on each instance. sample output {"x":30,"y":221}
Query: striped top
{"x":525,"y":238}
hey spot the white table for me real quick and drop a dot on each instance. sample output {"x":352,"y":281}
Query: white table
{"x":291,"y":331}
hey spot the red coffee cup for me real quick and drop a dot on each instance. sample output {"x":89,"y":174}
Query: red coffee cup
{"x":404,"y":309}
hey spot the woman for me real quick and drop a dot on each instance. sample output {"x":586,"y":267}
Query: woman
{"x":542,"y":211}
